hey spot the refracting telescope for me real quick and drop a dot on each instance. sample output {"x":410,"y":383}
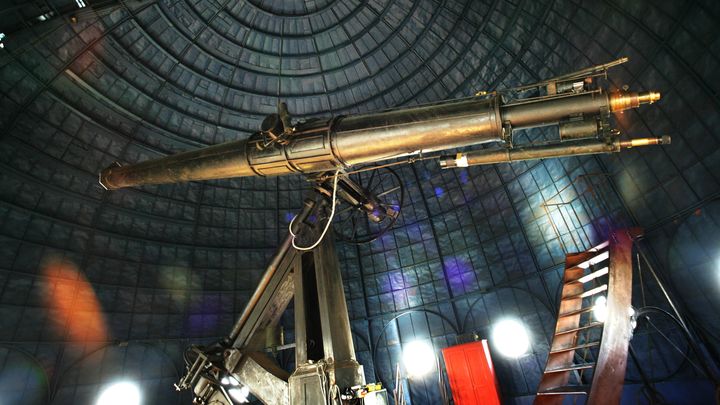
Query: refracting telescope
{"x":328,"y":152}
{"x":577,"y":103}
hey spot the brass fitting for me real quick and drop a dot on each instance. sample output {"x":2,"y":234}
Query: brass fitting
{"x":620,"y":101}
{"x":663,"y":140}
{"x":648,"y":97}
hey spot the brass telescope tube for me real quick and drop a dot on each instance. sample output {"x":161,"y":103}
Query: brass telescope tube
{"x":367,"y":138}
{"x":213,"y":162}
{"x":537,"y":113}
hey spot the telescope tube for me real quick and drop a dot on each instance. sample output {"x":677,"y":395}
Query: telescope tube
{"x":344,"y":141}
{"x":558,"y":149}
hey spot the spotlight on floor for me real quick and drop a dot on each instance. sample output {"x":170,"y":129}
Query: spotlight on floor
{"x":120,"y":393}
{"x":418,"y":358}
{"x":510,"y":338}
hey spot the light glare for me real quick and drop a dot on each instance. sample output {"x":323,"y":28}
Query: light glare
{"x":510,"y":338}
{"x":418,"y":358}
{"x":240,"y":394}
{"x":120,"y":393}
{"x":600,"y":308}
{"x":229,"y":381}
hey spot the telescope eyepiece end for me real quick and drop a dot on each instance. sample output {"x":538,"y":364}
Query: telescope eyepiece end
{"x":105,"y":173}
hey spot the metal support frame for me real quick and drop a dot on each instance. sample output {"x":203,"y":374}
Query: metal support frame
{"x":332,"y":351}
{"x":325,"y":355}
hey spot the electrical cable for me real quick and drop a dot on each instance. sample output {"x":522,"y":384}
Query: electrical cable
{"x":674,"y":346}
{"x":641,"y":315}
{"x":653,"y":396}
{"x":408,"y":161}
{"x":335,"y":394}
{"x":327,"y":225}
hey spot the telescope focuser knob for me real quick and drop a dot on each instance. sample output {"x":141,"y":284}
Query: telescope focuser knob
{"x":621,"y":100}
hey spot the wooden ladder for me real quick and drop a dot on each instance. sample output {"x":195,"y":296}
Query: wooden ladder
{"x":588,"y":354}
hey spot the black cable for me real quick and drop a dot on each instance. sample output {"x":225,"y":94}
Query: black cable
{"x":691,"y":343}
{"x":691,"y":346}
{"x":638,"y":315}
{"x":653,"y":396}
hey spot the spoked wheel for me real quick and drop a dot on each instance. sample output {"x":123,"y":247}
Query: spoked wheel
{"x":379,"y":200}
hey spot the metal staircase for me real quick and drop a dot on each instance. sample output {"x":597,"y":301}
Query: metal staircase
{"x":588,"y":353}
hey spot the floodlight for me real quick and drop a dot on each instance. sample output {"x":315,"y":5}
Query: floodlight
{"x":510,"y":338}
{"x":120,"y":393}
{"x":419,"y":358}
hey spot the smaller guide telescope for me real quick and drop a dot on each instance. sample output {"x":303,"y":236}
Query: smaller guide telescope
{"x":576,"y":103}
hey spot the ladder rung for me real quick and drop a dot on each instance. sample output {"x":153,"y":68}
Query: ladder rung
{"x":567,"y":390}
{"x":573,"y":367}
{"x":604,"y":255}
{"x":582,"y":346}
{"x":576,"y":312}
{"x":587,"y":293}
{"x":588,"y":326}
{"x":581,"y":273}
{"x":595,"y":274}
{"x":599,"y":247}
{"x":589,"y":277}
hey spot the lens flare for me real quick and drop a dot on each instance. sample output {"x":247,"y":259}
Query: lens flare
{"x":77,"y":313}
{"x":22,"y":380}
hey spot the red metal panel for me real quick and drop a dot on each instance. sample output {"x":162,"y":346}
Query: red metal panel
{"x":471,"y":374}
